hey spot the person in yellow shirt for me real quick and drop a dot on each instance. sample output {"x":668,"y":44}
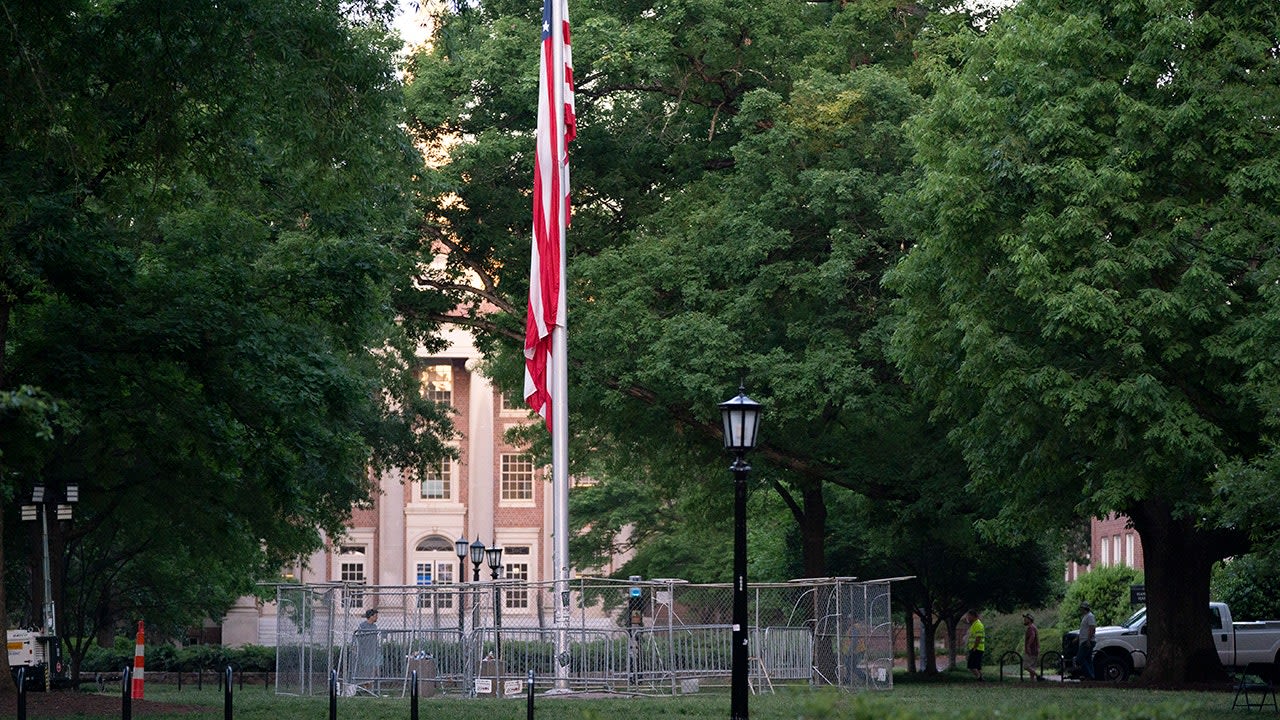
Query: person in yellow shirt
{"x":976,"y":642}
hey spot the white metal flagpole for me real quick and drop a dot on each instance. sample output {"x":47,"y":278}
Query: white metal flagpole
{"x":562,"y":92}
{"x":560,"y":503}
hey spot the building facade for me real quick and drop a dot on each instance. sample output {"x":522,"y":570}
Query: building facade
{"x":1111,"y":542}
{"x":492,"y":492}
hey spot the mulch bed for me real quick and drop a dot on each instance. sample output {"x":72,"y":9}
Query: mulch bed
{"x":72,"y":703}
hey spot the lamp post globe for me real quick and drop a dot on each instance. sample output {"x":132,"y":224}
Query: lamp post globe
{"x":493,"y":557}
{"x":740,"y":417}
{"x":741,"y":420}
{"x":462,"y":548}
{"x":477,"y":559}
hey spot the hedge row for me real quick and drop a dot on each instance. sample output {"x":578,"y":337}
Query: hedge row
{"x":250,"y":658}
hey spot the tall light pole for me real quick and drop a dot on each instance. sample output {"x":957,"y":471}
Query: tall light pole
{"x":40,"y":499}
{"x":741,"y":418}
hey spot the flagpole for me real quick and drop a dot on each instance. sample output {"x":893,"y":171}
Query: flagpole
{"x":560,"y":506}
{"x":547,"y":369}
{"x":560,"y":383}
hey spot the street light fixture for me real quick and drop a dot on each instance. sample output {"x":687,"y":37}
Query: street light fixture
{"x":741,"y":418}
{"x":477,"y":558}
{"x":461,"y":547}
{"x":493,"y":556}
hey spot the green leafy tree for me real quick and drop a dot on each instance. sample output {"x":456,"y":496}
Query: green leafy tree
{"x":927,"y":526}
{"x":728,"y":178}
{"x":205,"y":241}
{"x":1249,"y":585}
{"x":1092,"y":296}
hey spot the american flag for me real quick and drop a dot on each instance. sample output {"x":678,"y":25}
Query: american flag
{"x":556,"y":128}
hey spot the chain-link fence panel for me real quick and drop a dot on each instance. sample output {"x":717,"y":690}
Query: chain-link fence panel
{"x":662,"y":636}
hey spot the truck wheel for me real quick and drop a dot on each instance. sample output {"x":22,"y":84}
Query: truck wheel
{"x":1112,"y":669}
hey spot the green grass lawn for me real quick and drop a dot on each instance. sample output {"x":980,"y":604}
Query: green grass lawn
{"x":955,"y":697}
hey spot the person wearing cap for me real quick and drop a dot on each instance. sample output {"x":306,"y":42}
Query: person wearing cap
{"x":1031,"y":646}
{"x":1084,"y":655}
{"x":368,"y":657}
{"x":976,"y":642}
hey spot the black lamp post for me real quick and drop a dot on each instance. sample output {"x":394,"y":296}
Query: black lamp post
{"x":461,"y":547}
{"x":741,"y":417}
{"x":493,"y":556}
{"x":477,"y":558}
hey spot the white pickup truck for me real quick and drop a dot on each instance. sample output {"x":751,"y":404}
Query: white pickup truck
{"x":1121,"y":650}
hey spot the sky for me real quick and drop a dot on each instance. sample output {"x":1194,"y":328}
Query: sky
{"x":404,"y":22}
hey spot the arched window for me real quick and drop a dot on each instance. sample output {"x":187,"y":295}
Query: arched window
{"x":433,"y":559}
{"x":435,"y":543}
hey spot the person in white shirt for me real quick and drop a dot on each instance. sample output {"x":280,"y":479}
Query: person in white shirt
{"x":1088,"y":626}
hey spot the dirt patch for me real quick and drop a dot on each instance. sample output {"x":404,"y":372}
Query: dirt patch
{"x":71,"y":703}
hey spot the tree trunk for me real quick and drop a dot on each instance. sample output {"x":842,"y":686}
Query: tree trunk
{"x":952,"y":625}
{"x":1178,"y":560}
{"x":813,"y":531}
{"x":929,"y":629}
{"x":910,"y":617}
{"x":7,"y":686}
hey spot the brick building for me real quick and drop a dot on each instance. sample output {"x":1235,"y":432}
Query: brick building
{"x":1111,"y":542}
{"x":492,"y":492}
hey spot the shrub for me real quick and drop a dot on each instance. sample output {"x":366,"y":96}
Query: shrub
{"x":1107,"y":591}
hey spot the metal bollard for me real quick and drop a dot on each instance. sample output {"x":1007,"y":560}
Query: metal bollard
{"x":333,"y":695}
{"x":226,"y":698}
{"x":413,"y":695}
{"x":126,"y":697}
{"x":22,"y":692}
{"x":529,"y":683}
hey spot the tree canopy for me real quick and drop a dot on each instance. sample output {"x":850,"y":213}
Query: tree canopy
{"x":205,"y":239}
{"x":1091,"y":298}
{"x":728,"y":177}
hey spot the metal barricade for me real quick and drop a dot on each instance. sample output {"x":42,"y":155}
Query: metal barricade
{"x":664,"y":636}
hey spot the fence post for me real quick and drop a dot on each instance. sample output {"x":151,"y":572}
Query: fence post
{"x":226,"y":696}
{"x":126,"y":697}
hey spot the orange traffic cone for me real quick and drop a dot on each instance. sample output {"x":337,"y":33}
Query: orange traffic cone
{"x":137,"y":666}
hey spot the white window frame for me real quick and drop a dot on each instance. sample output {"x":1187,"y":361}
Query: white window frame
{"x":444,"y":481}
{"x":507,"y":479}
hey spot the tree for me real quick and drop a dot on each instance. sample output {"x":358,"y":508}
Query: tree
{"x":1091,"y":298}
{"x":1250,"y":585}
{"x":728,"y":177}
{"x":205,"y":239}
{"x":927,"y":526}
